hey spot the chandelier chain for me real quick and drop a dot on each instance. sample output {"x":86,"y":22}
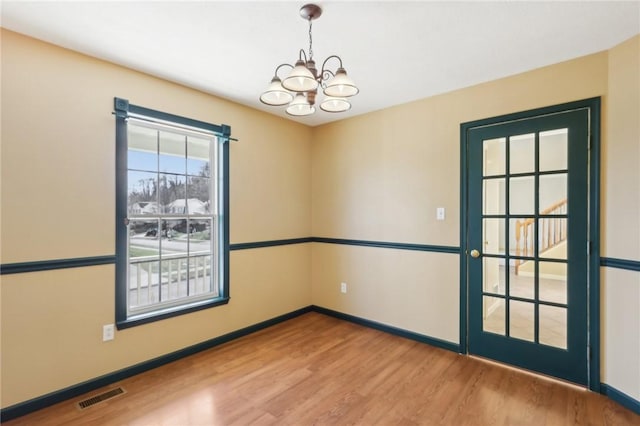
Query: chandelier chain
{"x":310,"y":40}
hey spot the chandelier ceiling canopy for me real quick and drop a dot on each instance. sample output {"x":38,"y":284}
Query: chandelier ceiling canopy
{"x":300,"y":87}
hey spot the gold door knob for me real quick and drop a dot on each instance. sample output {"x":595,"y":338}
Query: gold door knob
{"x":475,"y":253}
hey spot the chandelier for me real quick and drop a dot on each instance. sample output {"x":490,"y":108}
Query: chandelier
{"x":300,"y":88}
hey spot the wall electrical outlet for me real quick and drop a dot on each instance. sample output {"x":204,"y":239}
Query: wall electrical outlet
{"x":343,"y":287}
{"x":108,"y":332}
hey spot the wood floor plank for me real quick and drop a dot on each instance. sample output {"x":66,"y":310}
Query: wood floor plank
{"x":315,"y":369}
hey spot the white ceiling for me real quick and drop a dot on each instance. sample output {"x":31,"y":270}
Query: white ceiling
{"x":395,"y":51}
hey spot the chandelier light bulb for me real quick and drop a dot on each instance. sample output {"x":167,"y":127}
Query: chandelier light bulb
{"x":341,"y":85}
{"x":275,"y":94}
{"x":300,"y":79}
{"x":300,"y":106}
{"x":332,"y":104}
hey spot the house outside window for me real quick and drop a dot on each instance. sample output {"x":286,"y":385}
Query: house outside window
{"x":171,"y":215}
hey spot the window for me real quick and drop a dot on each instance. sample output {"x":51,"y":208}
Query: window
{"x":172,"y":239}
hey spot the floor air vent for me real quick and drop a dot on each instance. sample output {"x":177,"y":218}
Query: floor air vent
{"x":86,"y":403}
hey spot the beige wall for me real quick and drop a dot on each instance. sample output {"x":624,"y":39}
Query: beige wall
{"x":621,"y":154}
{"x":621,"y":220}
{"x":58,"y":146}
{"x":390,"y":287}
{"x":380,"y":176}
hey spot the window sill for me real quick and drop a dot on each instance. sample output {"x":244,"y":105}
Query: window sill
{"x":147,"y":318}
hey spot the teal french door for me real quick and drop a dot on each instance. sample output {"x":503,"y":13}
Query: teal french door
{"x":526,"y":247}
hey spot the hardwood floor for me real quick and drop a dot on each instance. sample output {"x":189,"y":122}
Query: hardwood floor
{"x":316,"y":369}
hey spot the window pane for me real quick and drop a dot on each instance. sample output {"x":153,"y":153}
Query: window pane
{"x":198,"y":156}
{"x":143,"y":148}
{"x":200,"y":275}
{"x":200,"y":236}
{"x":198,"y":190}
{"x":521,"y":195}
{"x":173,"y":194}
{"x":174,"y":241}
{"x":521,"y":319}
{"x":175,"y":278}
{"x":143,"y":283}
{"x":494,"y":157}
{"x":142,"y":197}
{"x":173,"y":153}
{"x":493,"y":320}
{"x":522,"y":153}
{"x":143,"y":238}
{"x":553,"y":194}
{"x":493,"y":199}
{"x":553,"y":150}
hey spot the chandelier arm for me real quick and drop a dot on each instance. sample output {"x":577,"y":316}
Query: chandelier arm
{"x":324,"y":76}
{"x":323,"y":70}
{"x":280,"y":66}
{"x":302,"y":55}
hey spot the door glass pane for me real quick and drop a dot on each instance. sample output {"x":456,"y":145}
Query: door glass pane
{"x":494,"y":157}
{"x":493,"y":319}
{"x":493,"y":275}
{"x":493,"y":199}
{"x":522,"y":279}
{"x":553,"y":282}
{"x":493,"y":236}
{"x":521,"y":319}
{"x":522,"y":155}
{"x":521,"y":195}
{"x":553,"y":150}
{"x":522,"y":236}
{"x":553,"y":326}
{"x":552,"y":238}
{"x":553,"y":194}
{"x":173,"y":153}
